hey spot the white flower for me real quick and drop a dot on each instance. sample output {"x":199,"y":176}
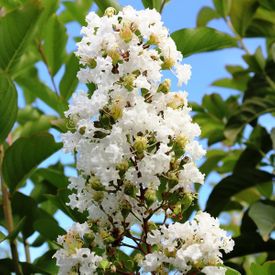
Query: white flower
{"x":214,"y":270}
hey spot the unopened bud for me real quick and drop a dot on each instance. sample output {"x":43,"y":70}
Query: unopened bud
{"x":168,"y":63}
{"x":116,"y":111}
{"x":104,"y":264}
{"x":110,"y":11}
{"x":152,"y":226}
{"x":129,"y":189}
{"x":106,"y":237}
{"x":122,"y":166}
{"x":125,"y":208}
{"x":98,"y":196}
{"x":138,"y":258}
{"x":186,"y":201}
{"x":95,"y":183}
{"x":153,"y":39}
{"x":92,"y":63}
{"x":181,"y":141}
{"x":140,"y":144}
{"x":128,"y":81}
{"x":165,"y":86}
{"x":126,"y":33}
{"x":150,"y":196}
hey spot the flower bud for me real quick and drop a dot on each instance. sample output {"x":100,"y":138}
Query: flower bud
{"x":153,"y":39}
{"x":116,"y":111}
{"x":129,"y":189}
{"x":104,"y":264}
{"x":150,"y":196}
{"x":138,"y":258}
{"x":106,"y":237}
{"x":95,"y":183}
{"x":140,"y":144}
{"x":125,"y":208}
{"x":98,"y":196}
{"x":115,"y":55}
{"x":82,"y":130}
{"x":152,"y":226}
{"x":92,"y":63}
{"x":128,"y":81}
{"x":181,"y":141}
{"x":126,"y":33}
{"x":168,"y":63}
{"x":122,"y":166}
{"x":110,"y":11}
{"x":186,"y":201}
{"x":165,"y":86}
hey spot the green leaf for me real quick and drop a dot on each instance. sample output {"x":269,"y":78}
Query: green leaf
{"x":268,"y":4}
{"x":256,"y":62}
{"x":55,"y":39}
{"x":267,"y":268}
{"x":24,"y":155}
{"x":47,"y":262}
{"x":241,"y":14}
{"x":12,"y":236}
{"x":31,"y":82}
{"x":76,"y":10}
{"x":222,"y":6}
{"x":8,"y":106}
{"x":250,"y":110}
{"x":232,"y":185}
{"x":69,"y":80}
{"x":48,"y":228}
{"x":15,"y":37}
{"x":239,"y":84}
{"x":42,"y":124}
{"x":231,"y":271}
{"x":249,"y":243}
{"x":205,"y":15}
{"x":264,"y":217}
{"x":104,"y":4}
{"x":203,"y":39}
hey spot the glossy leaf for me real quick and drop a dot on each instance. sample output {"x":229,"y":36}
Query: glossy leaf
{"x":205,"y":15}
{"x":8,"y":107}
{"x":223,"y":6}
{"x":264,"y":217}
{"x":69,"y":80}
{"x":203,"y":39}
{"x":241,"y":14}
{"x":250,"y":110}
{"x":15,"y":37}
{"x":233,"y":184}
{"x":54,"y":45}
{"x":24,"y":155}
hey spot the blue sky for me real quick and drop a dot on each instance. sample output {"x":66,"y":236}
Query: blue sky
{"x":206,"y":68}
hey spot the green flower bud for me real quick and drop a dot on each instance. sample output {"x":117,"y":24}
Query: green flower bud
{"x":116,"y":111}
{"x":98,"y":196}
{"x":82,"y":130}
{"x":95,"y":183}
{"x":168,"y":63}
{"x":186,"y":201}
{"x":126,"y":33}
{"x":181,"y":141}
{"x":128,"y":81}
{"x":104,"y":264}
{"x":140,"y":144}
{"x":126,"y":208}
{"x":165,"y":86}
{"x":122,"y":166}
{"x":138,"y":258}
{"x":129,"y":189}
{"x":92,"y":63}
{"x":150,"y":196}
{"x":110,"y":12}
{"x":152,"y":226}
{"x":153,"y":39}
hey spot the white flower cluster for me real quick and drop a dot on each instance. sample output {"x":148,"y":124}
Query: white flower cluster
{"x":133,"y":138}
{"x":193,"y":245}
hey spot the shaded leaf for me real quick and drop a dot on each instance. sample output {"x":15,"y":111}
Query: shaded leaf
{"x":203,"y":39}
{"x":233,"y":184}
{"x":222,"y":6}
{"x":8,"y":107}
{"x":15,"y":37}
{"x":69,"y":80}
{"x":55,"y":39}
{"x":267,"y":268}
{"x":24,"y":155}
{"x":264,"y":217}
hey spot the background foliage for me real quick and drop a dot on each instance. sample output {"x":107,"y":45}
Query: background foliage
{"x":240,"y":148}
